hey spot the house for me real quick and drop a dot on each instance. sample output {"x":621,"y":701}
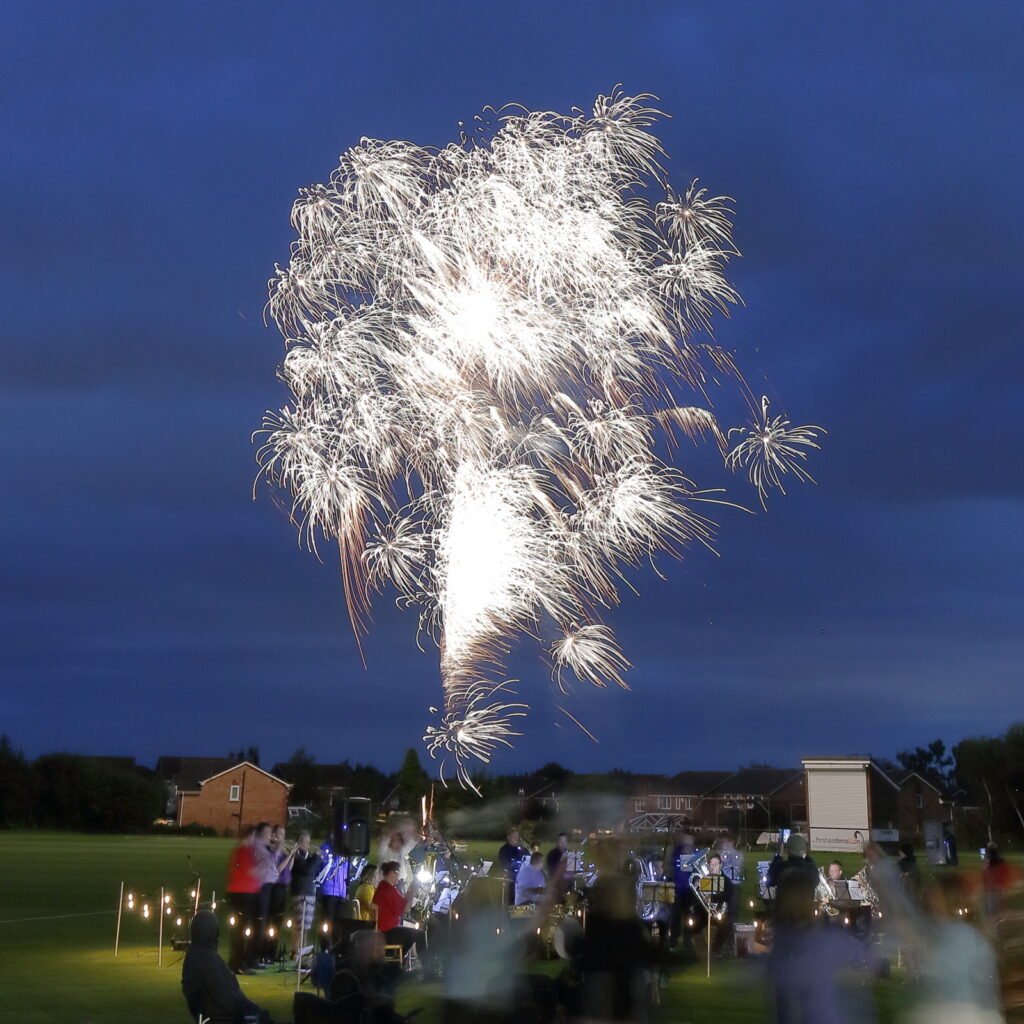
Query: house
{"x":758,"y":799}
{"x":850,"y":801}
{"x":919,"y":801}
{"x":222,"y":793}
{"x":660,"y":804}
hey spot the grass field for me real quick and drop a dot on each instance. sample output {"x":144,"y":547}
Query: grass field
{"x":58,"y":908}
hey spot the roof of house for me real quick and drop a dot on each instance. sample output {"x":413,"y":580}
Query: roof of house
{"x":698,"y":783}
{"x":905,"y":777}
{"x":187,"y":774}
{"x":244,"y":764}
{"x":756,"y":781}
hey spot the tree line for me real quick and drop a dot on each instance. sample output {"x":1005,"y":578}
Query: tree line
{"x":981,"y":778}
{"x":69,"y":791}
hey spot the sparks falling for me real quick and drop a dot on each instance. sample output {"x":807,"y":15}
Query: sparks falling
{"x":483,"y":346}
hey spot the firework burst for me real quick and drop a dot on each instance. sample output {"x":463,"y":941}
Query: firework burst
{"x":481,"y":345}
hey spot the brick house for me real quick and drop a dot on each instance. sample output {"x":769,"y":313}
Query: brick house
{"x":660,"y":804}
{"x":757,"y":799}
{"x":919,"y":801}
{"x":223,"y":794}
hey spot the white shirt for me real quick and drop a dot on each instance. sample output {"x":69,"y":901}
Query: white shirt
{"x":527,"y":879}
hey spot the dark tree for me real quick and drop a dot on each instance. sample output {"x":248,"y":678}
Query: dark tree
{"x":932,"y":763}
{"x":413,"y":781}
{"x":16,"y":786}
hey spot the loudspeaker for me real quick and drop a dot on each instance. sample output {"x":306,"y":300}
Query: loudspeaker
{"x":352,"y":826}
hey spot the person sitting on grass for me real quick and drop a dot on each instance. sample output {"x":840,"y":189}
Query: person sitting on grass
{"x":210,"y":988}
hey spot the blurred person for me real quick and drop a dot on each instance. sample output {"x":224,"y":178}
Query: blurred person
{"x":1009,"y":939}
{"x":396,"y":845}
{"x":304,"y":865}
{"x":265,"y":865}
{"x":391,"y":904}
{"x":683,"y":904}
{"x":530,"y":881}
{"x":556,"y":864}
{"x":364,"y":892}
{"x":956,"y":966}
{"x":557,"y":856}
{"x":794,"y":877}
{"x":835,"y":871}
{"x":616,"y":956}
{"x":996,"y":876}
{"x":209,"y":986}
{"x":909,"y":873}
{"x":279,"y":891}
{"x":334,"y":886}
{"x":511,"y":857}
{"x":810,"y":967}
{"x":243,"y":888}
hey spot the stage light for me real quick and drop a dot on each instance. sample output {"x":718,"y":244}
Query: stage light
{"x":846,"y":920}
{"x":231,"y":920}
{"x":213,"y":905}
{"x":751,"y":904}
{"x":193,"y":894}
{"x":248,"y":932}
{"x":689,"y":922}
{"x":288,"y":923}
{"x":167,"y":898}
{"x":270,"y":932}
{"x":168,"y":911}
{"x":423,"y":875}
{"x":177,"y":921}
{"x":326,"y":928}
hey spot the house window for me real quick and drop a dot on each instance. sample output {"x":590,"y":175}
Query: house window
{"x":638,"y":805}
{"x":234,"y":794}
{"x":920,"y":802}
{"x":682,"y":803}
{"x":664,"y":803}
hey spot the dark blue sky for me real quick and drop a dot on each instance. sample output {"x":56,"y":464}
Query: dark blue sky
{"x":151,"y":154}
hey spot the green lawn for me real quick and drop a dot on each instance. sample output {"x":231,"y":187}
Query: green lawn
{"x":58,"y":904}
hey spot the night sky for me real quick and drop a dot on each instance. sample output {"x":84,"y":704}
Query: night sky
{"x":151,"y":154}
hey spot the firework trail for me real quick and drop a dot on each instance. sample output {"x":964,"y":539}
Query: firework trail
{"x":483,"y":345}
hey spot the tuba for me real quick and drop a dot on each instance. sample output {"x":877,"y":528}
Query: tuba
{"x":825,"y":893}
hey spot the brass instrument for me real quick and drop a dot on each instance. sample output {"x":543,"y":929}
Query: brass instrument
{"x":825,"y":894}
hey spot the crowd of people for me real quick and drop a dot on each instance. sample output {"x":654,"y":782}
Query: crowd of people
{"x":962,"y":949}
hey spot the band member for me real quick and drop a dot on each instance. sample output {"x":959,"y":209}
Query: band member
{"x":511,"y":855}
{"x":243,"y":888}
{"x":682,"y":907}
{"x":364,"y":892}
{"x":557,"y":856}
{"x":835,"y":871}
{"x":396,"y":846}
{"x":334,"y":887}
{"x":721,"y":902}
{"x":305,"y":865}
{"x":530,"y":881}
{"x":266,"y":870}
{"x":391,"y":905}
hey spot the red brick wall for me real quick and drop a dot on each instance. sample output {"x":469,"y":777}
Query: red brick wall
{"x":261,"y":798}
{"x":911,"y":818}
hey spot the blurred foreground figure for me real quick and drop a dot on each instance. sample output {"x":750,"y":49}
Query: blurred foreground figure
{"x":958,"y":977}
{"x":210,"y":988}
{"x":617,"y":957}
{"x":819,"y":974}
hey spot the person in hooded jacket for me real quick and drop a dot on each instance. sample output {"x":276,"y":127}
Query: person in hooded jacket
{"x":209,"y":986}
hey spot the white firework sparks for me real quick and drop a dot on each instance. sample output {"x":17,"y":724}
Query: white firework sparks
{"x":771,"y":449}
{"x":481,"y":345}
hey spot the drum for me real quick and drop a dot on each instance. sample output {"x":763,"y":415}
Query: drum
{"x":567,"y":937}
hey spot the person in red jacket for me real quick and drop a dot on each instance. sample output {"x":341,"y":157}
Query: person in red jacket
{"x":391,"y":904}
{"x":243,"y":888}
